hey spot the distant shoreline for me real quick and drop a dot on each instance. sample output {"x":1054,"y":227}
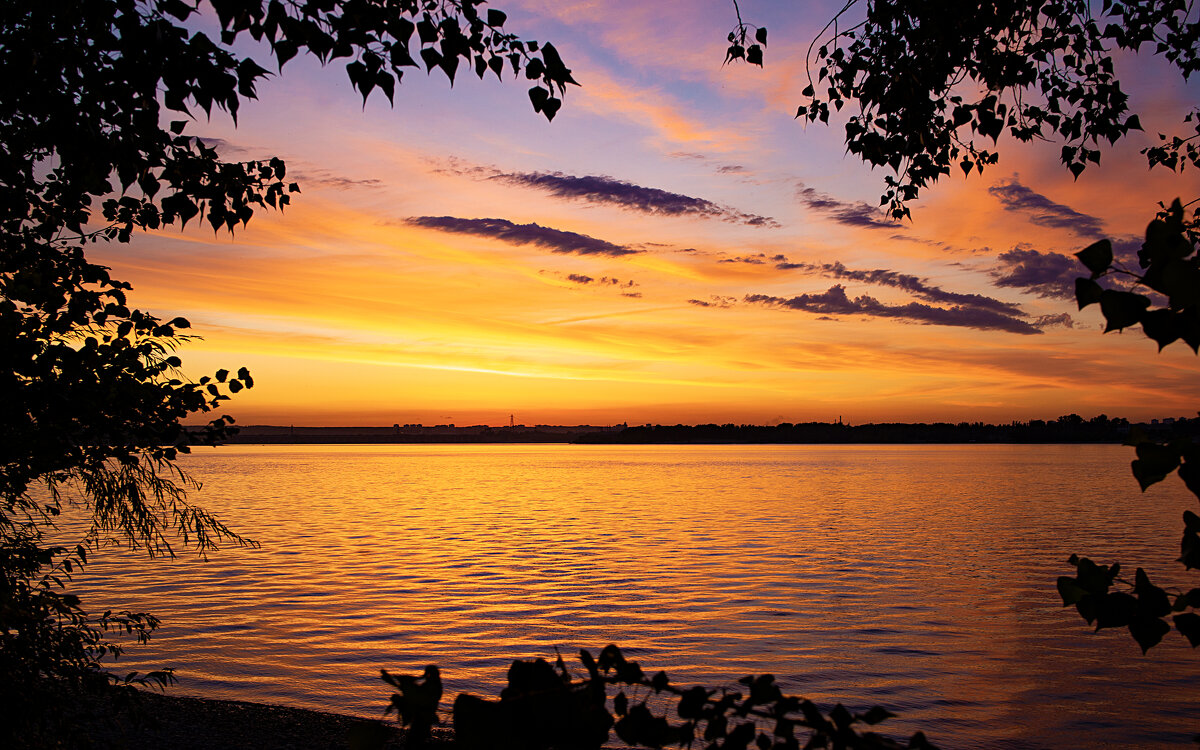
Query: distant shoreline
{"x":1070,"y":429}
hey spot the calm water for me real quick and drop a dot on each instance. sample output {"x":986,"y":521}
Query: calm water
{"x":917,"y":577}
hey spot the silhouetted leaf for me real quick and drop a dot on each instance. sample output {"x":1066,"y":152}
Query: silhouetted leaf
{"x":1189,"y":549}
{"x":640,"y":727}
{"x":1162,"y":326}
{"x":1114,"y":610}
{"x":1152,"y":600}
{"x":1092,"y":577}
{"x":741,"y":737}
{"x":449,"y":65}
{"x":556,"y":71}
{"x":432,"y":58}
{"x":387,"y":84}
{"x":1189,"y":625}
{"x":538,"y":97}
{"x":1190,"y":475}
{"x":1184,"y":601}
{"x":426,"y":30}
{"x":1070,"y":591}
{"x":692,"y":701}
{"x":1087,"y":292}
{"x":1148,"y":631}
{"x":1122,"y":309}
{"x":841,"y":717}
{"x":876,"y":714}
{"x":1097,"y":257}
{"x":1153,"y":463}
{"x":1191,"y":521}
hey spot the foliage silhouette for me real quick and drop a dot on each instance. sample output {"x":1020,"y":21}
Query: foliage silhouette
{"x":545,"y":706}
{"x":1170,"y":311}
{"x":91,"y":394}
{"x":934,"y":84}
{"x":739,"y":48}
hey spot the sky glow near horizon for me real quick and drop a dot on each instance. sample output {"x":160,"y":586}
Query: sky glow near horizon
{"x":674,"y":247}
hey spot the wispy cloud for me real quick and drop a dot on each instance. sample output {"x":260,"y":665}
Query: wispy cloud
{"x":1046,"y":321}
{"x":858,"y":214}
{"x":907,"y":282}
{"x":1049,"y":275}
{"x":759,"y":259}
{"x":714,"y":301}
{"x":584,"y":280}
{"x":555,"y":240}
{"x":1044,"y":212}
{"x":327,"y":178}
{"x":602,"y":189}
{"x":834,"y":301}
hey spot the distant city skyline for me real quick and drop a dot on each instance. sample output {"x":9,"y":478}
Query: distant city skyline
{"x":674,"y":247}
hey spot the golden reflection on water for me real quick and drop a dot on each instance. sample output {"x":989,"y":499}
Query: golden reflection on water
{"x":917,"y":577}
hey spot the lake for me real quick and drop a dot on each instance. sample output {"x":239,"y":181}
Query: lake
{"x":920,"y":578}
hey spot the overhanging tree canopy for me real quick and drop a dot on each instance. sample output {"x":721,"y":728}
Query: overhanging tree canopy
{"x":95,"y":105}
{"x":935,"y":81}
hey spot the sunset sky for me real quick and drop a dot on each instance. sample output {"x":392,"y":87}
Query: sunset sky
{"x":674,"y":247}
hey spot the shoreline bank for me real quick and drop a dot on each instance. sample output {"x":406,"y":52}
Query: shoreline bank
{"x":185,"y":722}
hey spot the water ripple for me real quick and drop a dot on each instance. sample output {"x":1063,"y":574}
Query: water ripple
{"x":920,"y":577}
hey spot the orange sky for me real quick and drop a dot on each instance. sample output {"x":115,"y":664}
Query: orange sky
{"x":446,"y":262}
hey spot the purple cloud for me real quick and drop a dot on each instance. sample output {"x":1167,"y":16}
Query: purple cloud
{"x":556,"y":240}
{"x":835,"y":302}
{"x":858,"y":214}
{"x":1044,"y":212}
{"x":1062,"y":319}
{"x":714,"y":301}
{"x":611,"y":191}
{"x":907,"y":282}
{"x":1050,"y":275}
{"x":579,"y":278}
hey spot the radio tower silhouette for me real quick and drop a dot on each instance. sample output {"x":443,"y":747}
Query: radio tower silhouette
{"x":510,"y":421}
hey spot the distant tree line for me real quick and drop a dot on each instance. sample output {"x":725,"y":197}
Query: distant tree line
{"x":1070,"y":428}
